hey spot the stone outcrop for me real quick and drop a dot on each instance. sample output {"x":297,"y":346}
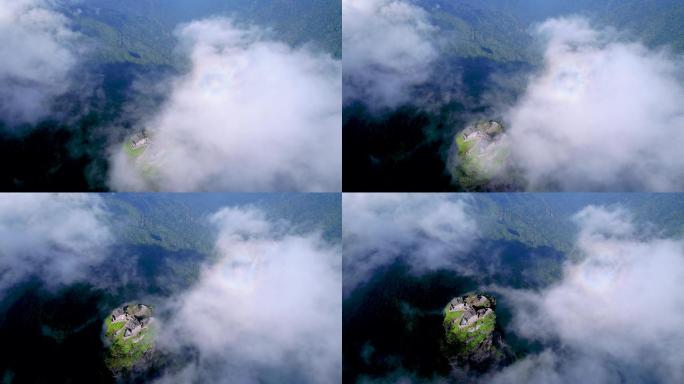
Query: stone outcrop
{"x":472,"y":340}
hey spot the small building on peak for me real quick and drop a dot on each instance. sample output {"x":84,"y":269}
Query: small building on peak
{"x":118,"y":315}
{"x":133,"y":327}
{"x":140,"y":140}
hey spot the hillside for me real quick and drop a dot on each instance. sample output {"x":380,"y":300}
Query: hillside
{"x":142,"y":32}
{"x":501,"y":29}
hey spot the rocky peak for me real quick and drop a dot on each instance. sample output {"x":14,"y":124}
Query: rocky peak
{"x":479,"y":156}
{"x":483,"y":130}
{"x":471,"y":336}
{"x":129,"y":333}
{"x":469,"y":310}
{"x":135,"y":317}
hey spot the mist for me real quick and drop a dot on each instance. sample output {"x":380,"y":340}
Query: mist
{"x":387,"y":49}
{"x":39,"y":53}
{"x":252,"y":114}
{"x":603,"y":114}
{"x":55,"y":238}
{"x":615,"y":314}
{"x":269,"y":310}
{"x":427,"y":231}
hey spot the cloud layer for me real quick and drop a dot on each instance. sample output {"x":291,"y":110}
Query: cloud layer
{"x":603,"y":114}
{"x":38,"y":51}
{"x":268,"y":311}
{"x":251,"y":115}
{"x":429,"y":231}
{"x":387,"y":48}
{"x":617,"y":313}
{"x":56,"y":238}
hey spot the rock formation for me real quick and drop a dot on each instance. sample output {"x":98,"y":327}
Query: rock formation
{"x":472,"y":340}
{"x":129,"y":337}
{"x":479,"y":156}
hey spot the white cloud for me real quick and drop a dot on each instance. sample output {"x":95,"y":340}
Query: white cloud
{"x":251,"y":114}
{"x":56,"y":238}
{"x":269,"y":310}
{"x":387,"y":48}
{"x":38,"y":51}
{"x":603,"y":114}
{"x":429,"y":231}
{"x":617,"y":313}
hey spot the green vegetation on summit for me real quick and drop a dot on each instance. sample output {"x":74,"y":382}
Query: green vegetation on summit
{"x":480,"y":155}
{"x":130,"y":333}
{"x":471,"y":338}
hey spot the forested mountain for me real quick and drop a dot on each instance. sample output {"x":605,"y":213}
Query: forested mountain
{"x":143,"y":31}
{"x":500,"y":29}
{"x":545,"y":219}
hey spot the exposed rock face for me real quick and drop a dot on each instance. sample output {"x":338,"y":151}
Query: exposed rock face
{"x":471,"y":337}
{"x":479,"y":156}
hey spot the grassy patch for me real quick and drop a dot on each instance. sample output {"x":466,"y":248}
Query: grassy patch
{"x":449,"y":317}
{"x":466,"y":339}
{"x":124,"y":353}
{"x":112,"y":328}
{"x":463,"y":145}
